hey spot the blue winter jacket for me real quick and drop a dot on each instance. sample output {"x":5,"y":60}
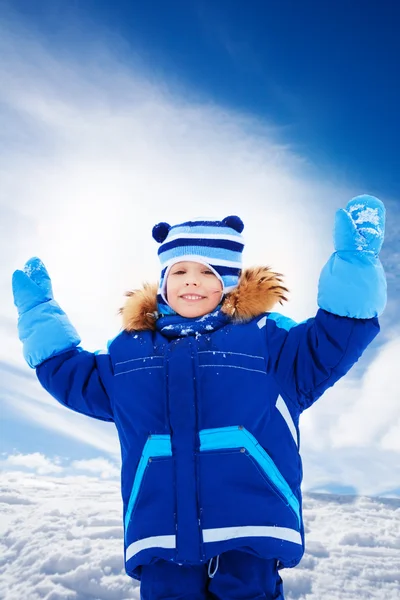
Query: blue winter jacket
{"x":207,"y":418}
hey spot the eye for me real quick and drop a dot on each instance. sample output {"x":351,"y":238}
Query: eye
{"x":208,"y":272}
{"x":179,"y":272}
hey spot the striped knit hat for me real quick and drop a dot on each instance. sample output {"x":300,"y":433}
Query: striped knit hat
{"x":218,"y":244}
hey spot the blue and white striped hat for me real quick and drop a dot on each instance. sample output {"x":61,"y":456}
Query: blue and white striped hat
{"x":218,"y":244}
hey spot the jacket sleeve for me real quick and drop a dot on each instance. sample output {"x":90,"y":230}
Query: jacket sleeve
{"x":81,"y":381}
{"x":307,"y":358}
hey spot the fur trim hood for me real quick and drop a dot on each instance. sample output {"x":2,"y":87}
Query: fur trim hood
{"x":258,"y":291}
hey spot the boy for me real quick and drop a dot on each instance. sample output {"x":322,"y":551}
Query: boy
{"x":205,"y":386}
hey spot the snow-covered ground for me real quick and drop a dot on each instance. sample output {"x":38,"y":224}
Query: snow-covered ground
{"x":61,"y":539}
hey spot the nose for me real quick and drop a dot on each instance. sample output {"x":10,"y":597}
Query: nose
{"x":191,"y":279}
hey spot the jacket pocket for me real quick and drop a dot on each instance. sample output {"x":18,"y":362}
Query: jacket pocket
{"x":155,"y":465}
{"x":239,"y":439}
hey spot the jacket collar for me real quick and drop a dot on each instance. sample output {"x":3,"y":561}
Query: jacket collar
{"x":259,"y":289}
{"x":175,"y":326}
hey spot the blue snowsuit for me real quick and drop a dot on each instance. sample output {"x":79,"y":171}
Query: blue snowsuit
{"x":208,"y":426}
{"x":207,"y":410}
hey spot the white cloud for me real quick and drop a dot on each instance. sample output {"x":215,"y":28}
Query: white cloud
{"x":350,"y":435}
{"x":42,"y":465}
{"x":36,"y":461}
{"x":361,"y":409}
{"x":366,"y":471}
{"x":375,"y":405}
{"x":101,"y":466}
{"x":27,"y":400}
{"x":391,"y":439}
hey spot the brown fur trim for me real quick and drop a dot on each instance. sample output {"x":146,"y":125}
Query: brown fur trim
{"x":139,"y":312}
{"x":258,"y":291}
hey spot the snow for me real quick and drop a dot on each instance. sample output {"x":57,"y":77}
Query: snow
{"x":33,"y":266}
{"x":61,"y":538}
{"x":367,"y":214}
{"x":360,"y":214}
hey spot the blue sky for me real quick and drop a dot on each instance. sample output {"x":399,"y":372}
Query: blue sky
{"x":116,"y":115}
{"x":325,"y":72}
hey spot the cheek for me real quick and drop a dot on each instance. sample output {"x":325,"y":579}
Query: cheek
{"x":217,"y":287}
{"x":169,"y":289}
{"x":215,"y":291}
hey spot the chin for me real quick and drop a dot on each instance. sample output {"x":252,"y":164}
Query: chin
{"x":191,"y":312}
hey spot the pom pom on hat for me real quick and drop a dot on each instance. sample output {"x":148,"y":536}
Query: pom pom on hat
{"x":234,"y":222}
{"x":160,"y":232}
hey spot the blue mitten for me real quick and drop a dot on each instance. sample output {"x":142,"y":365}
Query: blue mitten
{"x":353,"y":283}
{"x":43,"y":328}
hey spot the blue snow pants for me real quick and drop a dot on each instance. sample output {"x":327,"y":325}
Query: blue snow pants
{"x":238,"y":576}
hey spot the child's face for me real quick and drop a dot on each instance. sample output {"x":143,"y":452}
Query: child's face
{"x":193,"y":290}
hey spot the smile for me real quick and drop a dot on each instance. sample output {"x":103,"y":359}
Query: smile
{"x":192,"y":297}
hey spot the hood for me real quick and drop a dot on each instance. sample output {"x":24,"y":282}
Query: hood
{"x":258,"y":291}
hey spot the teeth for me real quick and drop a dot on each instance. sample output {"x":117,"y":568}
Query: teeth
{"x":192,"y":297}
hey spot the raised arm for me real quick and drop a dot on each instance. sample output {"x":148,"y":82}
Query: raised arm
{"x":309,"y":357}
{"x":80,"y":380}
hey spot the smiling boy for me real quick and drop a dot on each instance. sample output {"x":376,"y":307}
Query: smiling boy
{"x":206,"y":386}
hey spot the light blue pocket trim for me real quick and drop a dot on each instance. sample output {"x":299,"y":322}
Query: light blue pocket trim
{"x":155,"y":447}
{"x":353,"y":284}
{"x":238,"y":437}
